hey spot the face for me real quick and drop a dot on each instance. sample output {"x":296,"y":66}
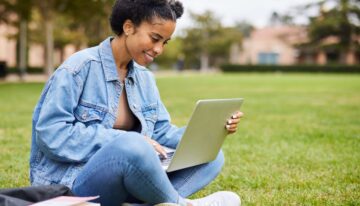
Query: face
{"x":147,"y":41}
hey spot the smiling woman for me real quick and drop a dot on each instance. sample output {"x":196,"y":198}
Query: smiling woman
{"x":142,"y":43}
{"x":100,"y":123}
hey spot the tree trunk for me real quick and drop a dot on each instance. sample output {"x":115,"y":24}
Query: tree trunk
{"x":204,"y":62}
{"x":46,"y":10}
{"x":23,"y":48}
{"x":343,"y":54}
{"x":49,"y":46}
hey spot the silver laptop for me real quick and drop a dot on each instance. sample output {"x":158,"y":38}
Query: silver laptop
{"x":204,"y":134}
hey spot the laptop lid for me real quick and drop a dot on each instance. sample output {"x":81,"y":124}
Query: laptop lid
{"x":205,"y":133}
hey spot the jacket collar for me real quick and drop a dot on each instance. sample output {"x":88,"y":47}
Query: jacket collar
{"x":108,"y":62}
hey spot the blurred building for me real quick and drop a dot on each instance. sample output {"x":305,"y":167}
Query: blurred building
{"x":286,"y":45}
{"x":36,"y":52}
{"x":7,"y":45}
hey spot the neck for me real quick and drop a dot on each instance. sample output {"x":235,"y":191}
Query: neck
{"x":121,"y":55}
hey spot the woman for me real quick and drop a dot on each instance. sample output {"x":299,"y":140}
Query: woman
{"x":100,"y":121}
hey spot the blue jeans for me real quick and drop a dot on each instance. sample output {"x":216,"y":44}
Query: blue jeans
{"x":129,"y":167}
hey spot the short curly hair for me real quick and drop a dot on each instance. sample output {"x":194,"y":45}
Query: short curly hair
{"x":143,"y":10}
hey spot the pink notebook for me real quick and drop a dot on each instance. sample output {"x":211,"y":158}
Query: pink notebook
{"x":68,"y":201}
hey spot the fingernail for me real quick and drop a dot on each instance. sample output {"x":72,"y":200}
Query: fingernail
{"x":228,"y":126}
{"x":229,"y":122}
{"x":234,"y":116}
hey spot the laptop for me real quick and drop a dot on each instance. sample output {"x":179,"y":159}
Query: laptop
{"x":204,"y":134}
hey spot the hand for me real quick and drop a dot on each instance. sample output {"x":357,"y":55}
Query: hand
{"x":231,"y":124}
{"x":158,"y":148}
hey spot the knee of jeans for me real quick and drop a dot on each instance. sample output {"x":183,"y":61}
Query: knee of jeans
{"x":133,"y":147}
{"x":219,"y":162}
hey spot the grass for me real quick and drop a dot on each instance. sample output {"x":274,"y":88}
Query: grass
{"x":299,"y":143}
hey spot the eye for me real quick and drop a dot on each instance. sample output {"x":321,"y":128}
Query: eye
{"x":155,"y":39}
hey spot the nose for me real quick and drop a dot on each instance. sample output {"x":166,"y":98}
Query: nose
{"x":158,"y":48}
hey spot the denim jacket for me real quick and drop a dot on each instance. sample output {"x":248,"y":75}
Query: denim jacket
{"x":77,"y":110}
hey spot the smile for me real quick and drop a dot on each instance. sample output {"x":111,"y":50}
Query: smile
{"x":149,"y":58}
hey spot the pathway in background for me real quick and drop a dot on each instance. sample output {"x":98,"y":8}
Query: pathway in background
{"x":43,"y":77}
{"x":27,"y":78}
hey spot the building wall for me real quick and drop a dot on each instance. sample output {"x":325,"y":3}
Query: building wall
{"x":7,"y":45}
{"x":36,"y":52}
{"x":272,"y":45}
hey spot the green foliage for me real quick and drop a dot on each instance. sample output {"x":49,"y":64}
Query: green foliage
{"x":9,"y":7}
{"x":90,"y":19}
{"x":291,"y":68}
{"x":298,"y":143}
{"x":209,"y":37}
{"x":281,"y":19}
{"x":29,"y":70}
{"x":74,"y":22}
{"x":172,"y":52}
{"x":244,"y":27}
{"x":341,"y":21}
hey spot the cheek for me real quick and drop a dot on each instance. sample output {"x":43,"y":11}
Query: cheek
{"x":141,"y":44}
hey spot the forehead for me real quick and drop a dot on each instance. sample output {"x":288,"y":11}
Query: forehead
{"x":159,"y":26}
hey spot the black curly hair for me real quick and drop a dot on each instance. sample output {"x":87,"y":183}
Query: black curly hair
{"x":143,"y":10}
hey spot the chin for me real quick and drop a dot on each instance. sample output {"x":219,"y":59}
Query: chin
{"x":141,"y":62}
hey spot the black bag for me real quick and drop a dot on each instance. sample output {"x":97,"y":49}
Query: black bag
{"x":28,"y":195}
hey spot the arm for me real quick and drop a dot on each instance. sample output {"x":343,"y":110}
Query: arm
{"x":165,"y":133}
{"x":57,"y":134}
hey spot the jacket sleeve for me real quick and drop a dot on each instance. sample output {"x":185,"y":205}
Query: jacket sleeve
{"x":164,"y":132}
{"x":58,"y":135}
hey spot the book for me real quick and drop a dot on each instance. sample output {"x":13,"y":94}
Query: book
{"x":68,"y":201}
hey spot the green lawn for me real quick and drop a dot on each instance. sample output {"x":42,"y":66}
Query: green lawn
{"x":298,"y":144}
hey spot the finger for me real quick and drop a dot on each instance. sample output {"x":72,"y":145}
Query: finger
{"x":160,"y":149}
{"x":233,"y":121}
{"x":231,"y":127}
{"x":231,"y":131}
{"x":237,"y":115}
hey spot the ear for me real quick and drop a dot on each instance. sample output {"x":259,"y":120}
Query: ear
{"x":128,"y":27}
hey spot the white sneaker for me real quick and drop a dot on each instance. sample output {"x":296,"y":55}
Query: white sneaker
{"x":223,"y":198}
{"x":161,"y":204}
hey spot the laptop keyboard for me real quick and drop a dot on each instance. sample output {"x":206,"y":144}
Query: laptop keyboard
{"x":166,"y":161}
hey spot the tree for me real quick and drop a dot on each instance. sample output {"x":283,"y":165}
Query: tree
{"x":78,"y":22}
{"x":74,"y":24}
{"x":208,"y":42}
{"x":171,"y":54}
{"x":244,"y":27}
{"x":341,"y":22}
{"x":94,"y":28}
{"x":277,"y":19}
{"x":22,"y":10}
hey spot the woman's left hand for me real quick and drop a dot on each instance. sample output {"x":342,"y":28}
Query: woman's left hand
{"x":232,"y":123}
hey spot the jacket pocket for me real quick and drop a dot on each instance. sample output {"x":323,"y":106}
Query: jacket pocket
{"x":150,"y":115}
{"x":89,"y":114}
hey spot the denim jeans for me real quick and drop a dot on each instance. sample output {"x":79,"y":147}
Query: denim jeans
{"x":129,"y":167}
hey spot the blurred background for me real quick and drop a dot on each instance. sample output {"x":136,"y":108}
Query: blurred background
{"x":295,"y":62}
{"x":231,"y":35}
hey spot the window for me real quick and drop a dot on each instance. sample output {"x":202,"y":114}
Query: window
{"x":268,"y":58}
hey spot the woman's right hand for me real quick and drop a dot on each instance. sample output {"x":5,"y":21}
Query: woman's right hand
{"x":158,"y":148}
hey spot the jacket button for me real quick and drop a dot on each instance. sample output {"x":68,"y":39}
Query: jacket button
{"x":84,"y":116}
